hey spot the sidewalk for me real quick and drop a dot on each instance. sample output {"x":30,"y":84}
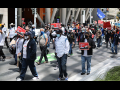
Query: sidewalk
{"x":97,"y":71}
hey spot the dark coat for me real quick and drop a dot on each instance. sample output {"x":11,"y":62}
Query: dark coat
{"x":71,"y":37}
{"x":116,"y":38}
{"x":91,"y":43}
{"x":31,"y":50}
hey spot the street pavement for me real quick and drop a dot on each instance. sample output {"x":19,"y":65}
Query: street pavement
{"x":46,"y":72}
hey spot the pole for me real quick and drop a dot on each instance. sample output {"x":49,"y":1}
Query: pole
{"x":15,"y":18}
{"x":35,"y":18}
{"x":90,"y":15}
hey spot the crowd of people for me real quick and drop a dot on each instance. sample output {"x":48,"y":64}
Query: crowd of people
{"x":64,"y":39}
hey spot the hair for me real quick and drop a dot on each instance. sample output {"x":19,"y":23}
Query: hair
{"x":42,"y":28}
{"x":87,"y":33}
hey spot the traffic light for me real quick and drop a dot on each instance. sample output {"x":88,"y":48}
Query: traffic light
{"x":33,"y":10}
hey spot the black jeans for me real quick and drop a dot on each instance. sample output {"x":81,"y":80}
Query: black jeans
{"x":11,"y":39}
{"x":6,"y":42}
{"x":62,"y":65}
{"x":1,"y":52}
{"x":43,"y":53}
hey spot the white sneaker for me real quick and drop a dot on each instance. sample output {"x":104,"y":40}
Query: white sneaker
{"x":19,"y":79}
{"x":35,"y":78}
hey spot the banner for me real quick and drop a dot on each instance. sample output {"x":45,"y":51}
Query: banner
{"x":100,"y":14}
{"x":20,"y":31}
{"x":83,"y":45}
{"x":100,"y":22}
{"x":56,"y":25}
{"x":107,"y":25}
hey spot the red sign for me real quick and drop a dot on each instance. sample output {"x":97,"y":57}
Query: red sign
{"x":107,"y":25}
{"x":100,"y":22}
{"x":83,"y":45}
{"x":55,"y":25}
{"x":23,"y":19}
{"x":20,"y":31}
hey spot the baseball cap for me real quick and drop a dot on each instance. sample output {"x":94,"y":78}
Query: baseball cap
{"x":59,"y":31}
{"x":28,"y":33}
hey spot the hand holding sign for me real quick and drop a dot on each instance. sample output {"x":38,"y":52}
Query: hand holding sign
{"x":84,"y":46}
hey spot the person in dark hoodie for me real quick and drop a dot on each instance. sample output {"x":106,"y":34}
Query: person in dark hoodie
{"x":87,"y":54}
{"x":115,"y":39}
{"x":71,"y":38}
{"x":28,"y":55}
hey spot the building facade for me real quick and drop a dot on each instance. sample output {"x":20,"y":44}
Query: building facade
{"x":47,"y":15}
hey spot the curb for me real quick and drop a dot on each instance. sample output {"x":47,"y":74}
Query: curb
{"x":98,"y":70}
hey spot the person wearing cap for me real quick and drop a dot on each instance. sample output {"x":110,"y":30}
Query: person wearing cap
{"x":71,"y":38}
{"x":61,"y":51}
{"x":98,"y":36}
{"x":2,"y":39}
{"x":63,"y":29}
{"x":18,"y":46}
{"x":43,"y":40}
{"x":4,"y":29}
{"x":11,"y":33}
{"x":28,"y":55}
{"x":114,"y":40}
{"x":86,"y":55}
{"x":107,"y":34}
{"x":33,"y":32}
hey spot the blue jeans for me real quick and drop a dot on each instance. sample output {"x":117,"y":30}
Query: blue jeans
{"x":112,"y":48}
{"x":75,"y":38}
{"x":70,"y":51}
{"x":101,"y":40}
{"x":88,"y":63}
{"x":15,"y":58}
{"x":98,"y":42}
{"x":62,"y":65}
{"x":32,"y":67}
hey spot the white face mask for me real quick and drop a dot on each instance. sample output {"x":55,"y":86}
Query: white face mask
{"x":26,"y":37}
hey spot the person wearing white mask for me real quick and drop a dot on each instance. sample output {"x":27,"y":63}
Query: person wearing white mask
{"x":4,"y":29}
{"x":18,"y":45}
{"x":2,"y":39}
{"x":61,"y":51}
{"x":11,"y":33}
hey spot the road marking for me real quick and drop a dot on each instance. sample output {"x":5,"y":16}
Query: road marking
{"x":51,"y":57}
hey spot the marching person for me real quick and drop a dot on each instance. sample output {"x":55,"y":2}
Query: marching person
{"x":115,"y":39}
{"x":33,"y":33}
{"x":71,"y":38}
{"x":4,"y":29}
{"x":28,"y":55}
{"x":98,"y":35}
{"x":11,"y":33}
{"x":2,"y":39}
{"x":61,"y":51}
{"x":87,"y":54}
{"x":43,"y":39}
{"x":19,"y":44}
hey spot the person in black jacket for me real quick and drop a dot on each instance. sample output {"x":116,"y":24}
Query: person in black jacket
{"x":108,"y":35}
{"x":114,"y":38}
{"x":28,"y":55}
{"x":87,"y":54}
{"x":71,"y":38}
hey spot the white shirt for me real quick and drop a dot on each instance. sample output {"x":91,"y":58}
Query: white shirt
{"x":25,"y":48}
{"x":63,"y":30}
{"x":19,"y":44}
{"x":12,"y":32}
{"x":4,"y":29}
{"x":85,"y":51}
{"x":61,"y":46}
{"x":2,"y":39}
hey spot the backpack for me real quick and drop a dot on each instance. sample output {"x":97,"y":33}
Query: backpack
{"x":44,"y":38}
